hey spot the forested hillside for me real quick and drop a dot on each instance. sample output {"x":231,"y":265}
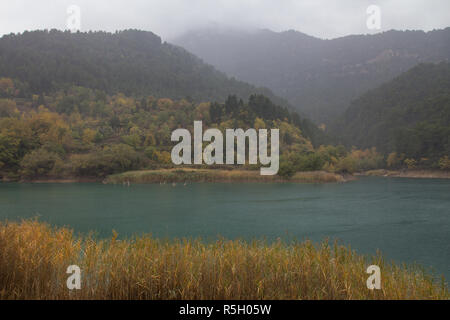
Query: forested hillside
{"x":135,"y":63}
{"x":95,"y":104}
{"x":81,"y":132}
{"x":408,"y":116}
{"x":84,"y":132}
{"x":132,"y":62}
{"x":318,"y":77}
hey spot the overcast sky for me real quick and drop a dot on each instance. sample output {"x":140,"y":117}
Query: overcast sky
{"x":170,"y":18}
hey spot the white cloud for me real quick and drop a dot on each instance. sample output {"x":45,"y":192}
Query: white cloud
{"x":168,"y":18}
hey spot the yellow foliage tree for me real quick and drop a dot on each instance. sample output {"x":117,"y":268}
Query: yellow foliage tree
{"x":444,"y":163}
{"x":163,"y":157}
{"x":164,"y":103}
{"x":410,"y":163}
{"x":89,"y":135}
{"x":8,"y":108}
{"x":202,"y":111}
{"x":259,"y":124}
{"x":392,"y":160}
{"x":6,"y":85}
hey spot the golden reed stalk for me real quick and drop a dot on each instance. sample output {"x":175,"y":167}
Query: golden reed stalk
{"x":34,"y":258}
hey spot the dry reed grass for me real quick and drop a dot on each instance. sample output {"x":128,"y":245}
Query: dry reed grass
{"x":34,"y":257}
{"x":216,"y":175}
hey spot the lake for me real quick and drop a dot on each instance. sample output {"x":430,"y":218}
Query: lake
{"x":408,"y":220}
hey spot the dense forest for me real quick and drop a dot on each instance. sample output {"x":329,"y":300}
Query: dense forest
{"x":94,"y":104}
{"x":318,"y":77}
{"x":407,"y":118}
{"x":84,"y":132}
{"x":133,"y":62}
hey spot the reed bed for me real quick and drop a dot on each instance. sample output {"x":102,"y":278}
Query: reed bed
{"x":217,"y":175}
{"x":34,"y":257}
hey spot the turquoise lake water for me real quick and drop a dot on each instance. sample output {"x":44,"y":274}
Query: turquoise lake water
{"x":408,"y":220}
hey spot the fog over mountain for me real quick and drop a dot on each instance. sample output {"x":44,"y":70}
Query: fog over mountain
{"x":171,"y":18}
{"x":318,"y":77}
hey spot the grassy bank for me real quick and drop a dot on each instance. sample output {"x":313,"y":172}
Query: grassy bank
{"x":430,"y":174}
{"x":217,"y":175}
{"x":34,"y":258}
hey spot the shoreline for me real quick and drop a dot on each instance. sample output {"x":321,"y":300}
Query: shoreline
{"x":221,"y":176}
{"x":417,"y":174}
{"x":190,"y":175}
{"x":54,"y":180}
{"x":182,"y":175}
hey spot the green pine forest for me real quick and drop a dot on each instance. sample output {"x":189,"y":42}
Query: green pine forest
{"x":407,"y":119}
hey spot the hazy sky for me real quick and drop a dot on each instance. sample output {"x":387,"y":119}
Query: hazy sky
{"x":169,"y":18}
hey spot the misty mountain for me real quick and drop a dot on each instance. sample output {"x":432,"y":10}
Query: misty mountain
{"x":409,"y":115}
{"x":318,"y":77}
{"x":132,"y":62}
